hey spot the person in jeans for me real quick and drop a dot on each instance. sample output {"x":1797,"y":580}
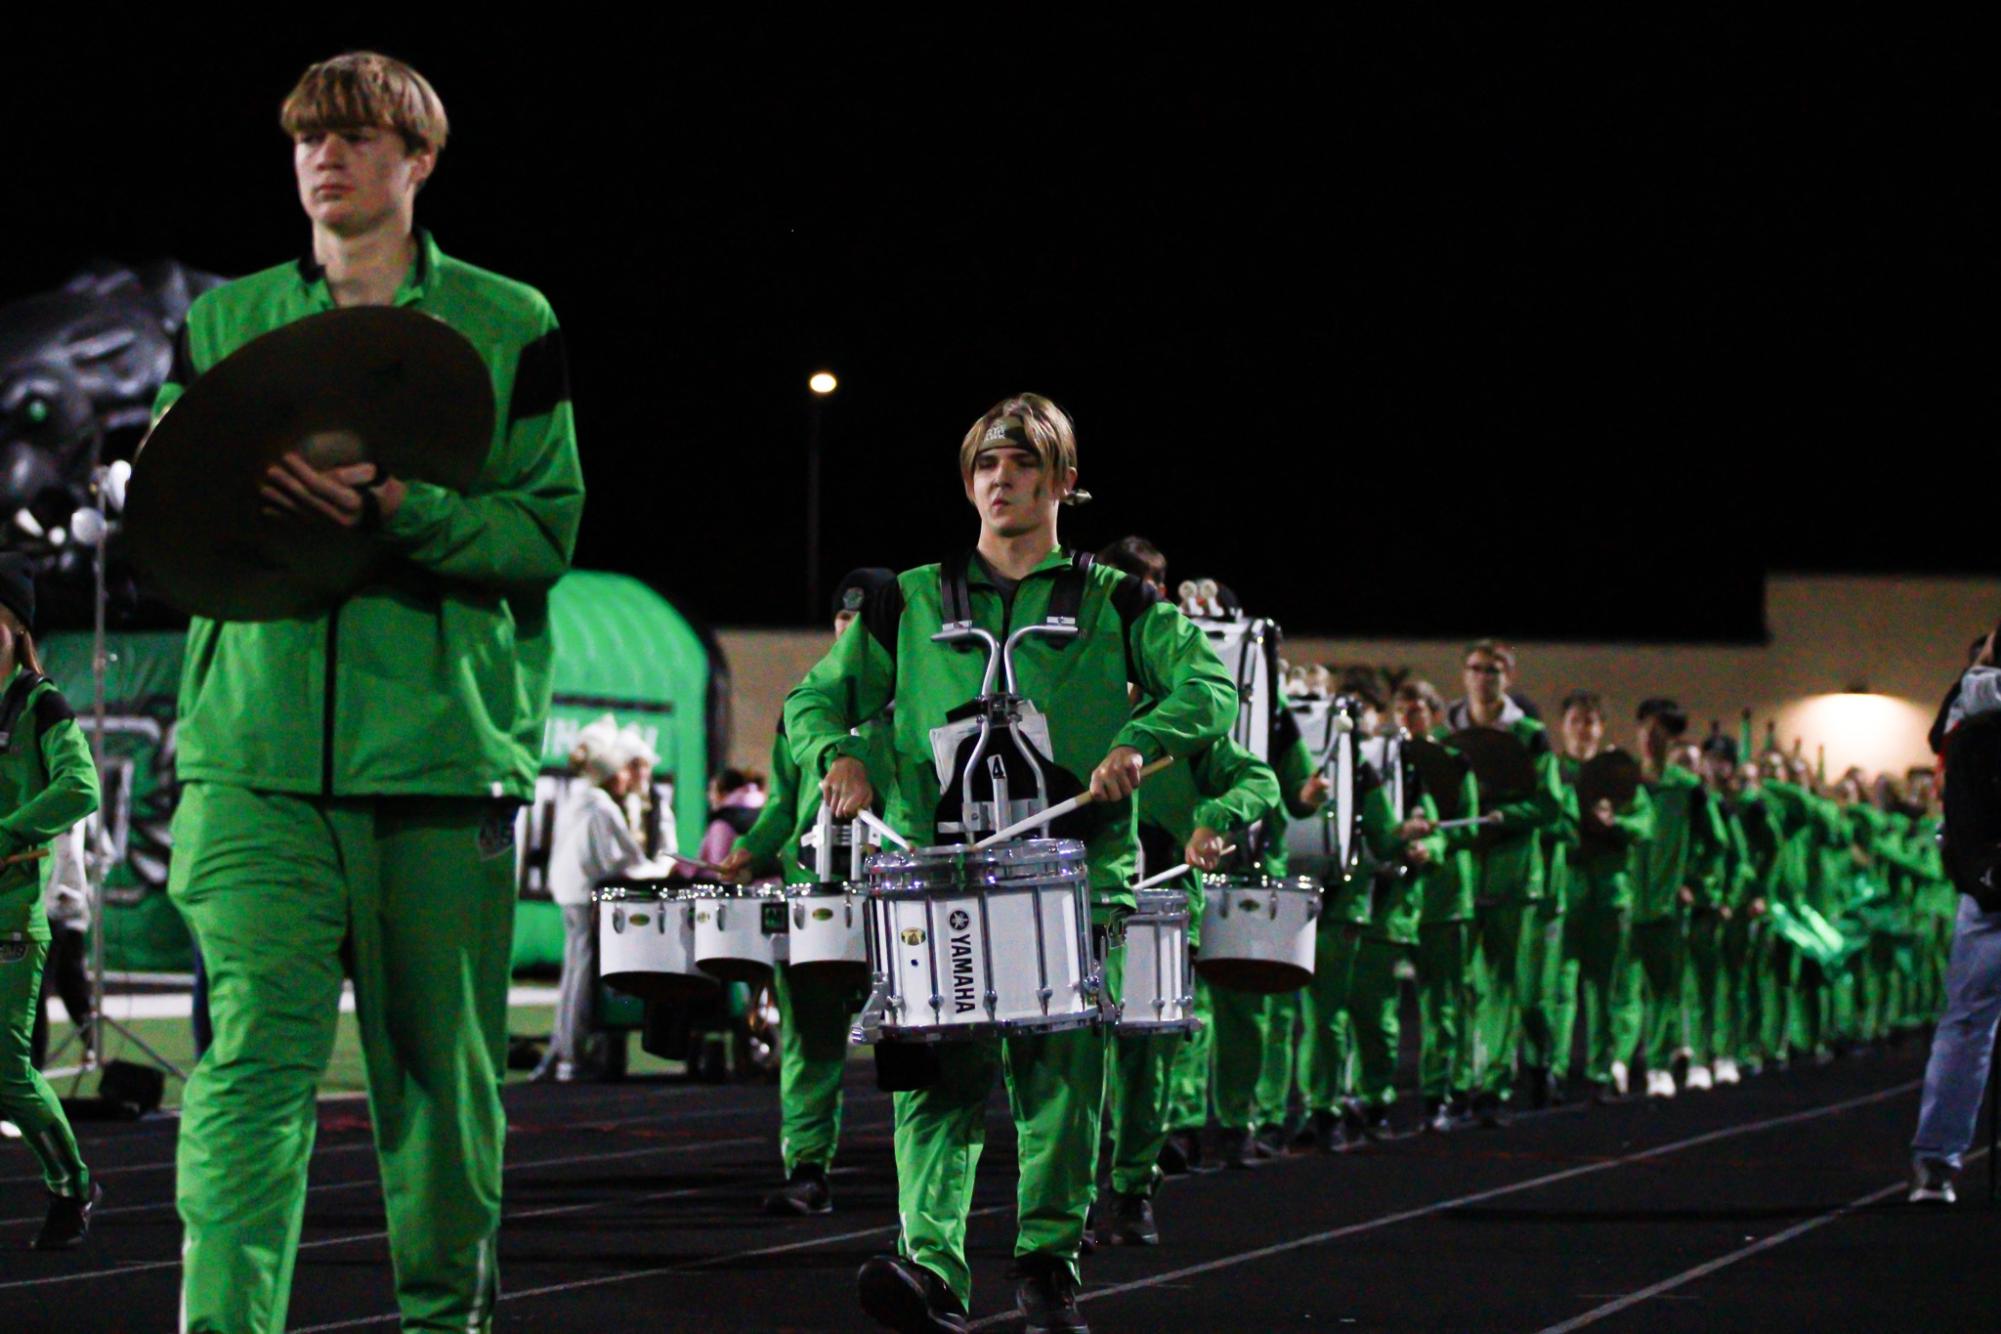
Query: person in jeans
{"x":1963,"y":1044}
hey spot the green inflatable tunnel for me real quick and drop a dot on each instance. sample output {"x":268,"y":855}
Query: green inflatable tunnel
{"x":621,"y":648}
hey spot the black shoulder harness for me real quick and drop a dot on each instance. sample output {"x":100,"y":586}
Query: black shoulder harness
{"x":16,"y":700}
{"x":1066,"y":599}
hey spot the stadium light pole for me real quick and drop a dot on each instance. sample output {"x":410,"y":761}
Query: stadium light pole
{"x":821,"y":384}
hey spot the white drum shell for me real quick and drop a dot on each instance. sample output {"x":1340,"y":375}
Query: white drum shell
{"x":968,"y":944}
{"x":732,"y":940}
{"x":827,"y":931}
{"x":1259,"y":938}
{"x":646,"y":944}
{"x":1159,"y":988}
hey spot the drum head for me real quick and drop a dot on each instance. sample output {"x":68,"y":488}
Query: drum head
{"x":1440,"y":771}
{"x":1501,"y":764}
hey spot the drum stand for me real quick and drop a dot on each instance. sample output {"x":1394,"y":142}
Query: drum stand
{"x":96,"y":861}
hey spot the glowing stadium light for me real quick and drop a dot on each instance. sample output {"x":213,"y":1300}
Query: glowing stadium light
{"x":823,"y":383}
{"x":1878,"y":732}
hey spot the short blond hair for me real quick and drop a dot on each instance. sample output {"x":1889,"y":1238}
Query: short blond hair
{"x":367,"y":90}
{"x":1031,"y":422}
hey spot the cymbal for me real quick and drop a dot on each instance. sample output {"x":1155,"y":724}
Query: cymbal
{"x":385,"y":384}
{"x":1501,"y":763}
{"x":1440,"y":770}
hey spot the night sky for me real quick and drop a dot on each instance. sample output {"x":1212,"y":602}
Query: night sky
{"x":1442,"y":330}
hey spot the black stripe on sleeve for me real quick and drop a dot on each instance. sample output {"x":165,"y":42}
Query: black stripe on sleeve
{"x":51,"y":710}
{"x":883,"y":613}
{"x":541,"y":378}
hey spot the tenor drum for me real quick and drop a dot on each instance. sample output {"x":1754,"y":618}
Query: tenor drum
{"x":646,"y":940}
{"x":826,"y":932}
{"x":1159,"y":990}
{"x":1258,"y":932}
{"x":739,"y":931}
{"x":964,"y":943}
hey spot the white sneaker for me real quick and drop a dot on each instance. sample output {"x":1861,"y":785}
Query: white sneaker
{"x":8,"y":1130}
{"x":1726,"y":1071}
{"x":1931,"y":1183}
{"x":1660,"y":1084}
{"x":1698,"y":1078}
{"x":1621,"y":1078}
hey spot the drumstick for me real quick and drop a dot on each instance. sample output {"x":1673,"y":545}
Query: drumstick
{"x":1491,"y":817}
{"x":869,"y":818}
{"x":1170,"y":874}
{"x":1059,"y":810}
{"x":19,"y":857}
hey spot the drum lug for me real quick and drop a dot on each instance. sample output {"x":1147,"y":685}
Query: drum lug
{"x":799,"y":916}
{"x":1274,"y":908}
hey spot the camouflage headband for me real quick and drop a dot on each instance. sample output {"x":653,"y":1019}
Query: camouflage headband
{"x":1012,"y":433}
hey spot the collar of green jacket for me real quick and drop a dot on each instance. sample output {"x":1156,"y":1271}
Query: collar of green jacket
{"x":415,"y":286}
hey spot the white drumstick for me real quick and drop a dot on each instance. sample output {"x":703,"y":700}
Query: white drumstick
{"x":1059,"y":810}
{"x":1172,"y":872}
{"x":1491,"y":817}
{"x":869,"y":818}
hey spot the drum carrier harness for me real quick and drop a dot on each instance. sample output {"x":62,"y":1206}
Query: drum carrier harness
{"x":991,"y":768}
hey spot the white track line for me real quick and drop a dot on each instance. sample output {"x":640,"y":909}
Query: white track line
{"x":368,"y":1146}
{"x":1426,"y":1211}
{"x":349,"y":1238}
{"x":1704,"y":1270}
{"x":1369,"y":1225}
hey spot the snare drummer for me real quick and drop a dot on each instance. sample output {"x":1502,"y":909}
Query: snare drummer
{"x":352,"y":777}
{"x":593,"y":843}
{"x":1188,"y":813}
{"x":814,"y":1015}
{"x":1018,"y":467}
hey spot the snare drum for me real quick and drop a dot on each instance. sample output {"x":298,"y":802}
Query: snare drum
{"x":646,"y":940}
{"x":739,"y":930}
{"x":1159,"y":990}
{"x":1258,"y":932}
{"x":825,"y":934}
{"x":963,"y":944}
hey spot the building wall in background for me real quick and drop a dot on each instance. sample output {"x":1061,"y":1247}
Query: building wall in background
{"x":1902,"y":638}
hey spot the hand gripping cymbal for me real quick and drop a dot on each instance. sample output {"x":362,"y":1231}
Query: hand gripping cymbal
{"x":381,"y":384}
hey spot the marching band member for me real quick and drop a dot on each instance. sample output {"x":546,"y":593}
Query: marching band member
{"x":1429,"y":871}
{"x":1187,"y":813}
{"x":1735,"y":997}
{"x":1764,"y":998}
{"x":1709,"y":900}
{"x":1684,"y":823}
{"x":814,"y":1016}
{"x":593,"y":842}
{"x":1598,"y":926}
{"x":1444,"y":935}
{"x":47,"y":783}
{"x":1510,"y":883}
{"x":1018,"y":466}
{"x":351,"y":777}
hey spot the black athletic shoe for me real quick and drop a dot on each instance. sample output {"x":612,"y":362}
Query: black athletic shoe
{"x":805,"y":1193}
{"x":1173,"y":1160}
{"x":1046,"y":1296}
{"x":1487,"y":1111}
{"x":1238,"y":1148}
{"x":1437,"y":1116}
{"x":908,"y":1298}
{"x":1538,"y":1087}
{"x":1128,"y":1221}
{"x":1375,"y":1125}
{"x":68,"y":1222}
{"x":1270,"y":1142}
{"x":1327,"y":1131}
